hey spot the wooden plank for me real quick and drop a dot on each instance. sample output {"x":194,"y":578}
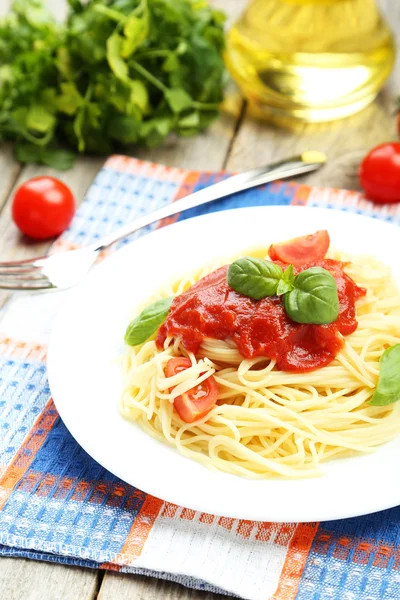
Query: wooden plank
{"x":127,"y":587}
{"x":22,"y":579}
{"x":345,"y":141}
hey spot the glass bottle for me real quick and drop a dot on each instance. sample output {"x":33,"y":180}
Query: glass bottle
{"x":313,"y":60}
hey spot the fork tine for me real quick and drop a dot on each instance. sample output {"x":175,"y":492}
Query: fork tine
{"x":24,"y":280}
{"x":21,"y":266}
{"x":17,"y":270}
{"x":26,"y":284}
{"x":38,"y":260}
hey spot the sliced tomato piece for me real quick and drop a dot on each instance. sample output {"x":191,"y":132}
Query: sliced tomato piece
{"x":197,"y":402}
{"x":176,"y":365}
{"x":301,"y":250}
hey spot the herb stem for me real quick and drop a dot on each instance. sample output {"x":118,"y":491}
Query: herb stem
{"x":142,"y":7}
{"x":205,"y":105}
{"x":147,"y":75}
{"x":153,"y":54}
{"x":43,"y":141}
{"x":112,"y":14}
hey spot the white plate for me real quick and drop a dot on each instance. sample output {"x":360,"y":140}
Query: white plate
{"x":85,"y":378}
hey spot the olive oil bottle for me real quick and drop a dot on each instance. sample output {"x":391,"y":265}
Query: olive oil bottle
{"x":312,"y":60}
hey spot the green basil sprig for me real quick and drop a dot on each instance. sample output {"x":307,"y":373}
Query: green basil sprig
{"x":309,"y":297}
{"x":254,"y":277}
{"x":314,"y":298}
{"x":388,"y":388}
{"x":286,"y":284}
{"x":142,"y":327}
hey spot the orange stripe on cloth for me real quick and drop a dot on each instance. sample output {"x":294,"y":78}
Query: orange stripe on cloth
{"x":185,"y":188}
{"x":24,"y":350}
{"x":139,"y":531}
{"x":301,"y":195}
{"x":27,"y":452}
{"x":144,"y":168}
{"x":296,"y":558}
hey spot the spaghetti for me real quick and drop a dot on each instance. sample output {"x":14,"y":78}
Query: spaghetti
{"x":269,"y":422}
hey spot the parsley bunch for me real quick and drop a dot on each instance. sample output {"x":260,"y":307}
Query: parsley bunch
{"x":117,"y":73}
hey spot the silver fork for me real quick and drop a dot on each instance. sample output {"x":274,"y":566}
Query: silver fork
{"x":66,"y":269}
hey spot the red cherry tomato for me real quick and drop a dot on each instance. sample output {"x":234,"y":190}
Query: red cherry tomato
{"x":197,"y":402}
{"x":301,"y":250}
{"x":43,"y":207}
{"x":380,"y":173}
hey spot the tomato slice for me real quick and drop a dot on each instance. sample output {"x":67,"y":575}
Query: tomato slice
{"x":197,"y":402}
{"x":301,"y":250}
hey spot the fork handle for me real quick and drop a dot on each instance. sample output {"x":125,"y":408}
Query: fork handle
{"x":297,"y":165}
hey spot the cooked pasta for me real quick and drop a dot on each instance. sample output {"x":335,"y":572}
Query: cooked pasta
{"x":269,"y":422}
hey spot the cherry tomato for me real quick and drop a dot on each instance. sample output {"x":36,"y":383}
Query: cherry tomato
{"x":197,"y":402}
{"x":301,"y":250}
{"x":43,"y":207}
{"x":380,"y":173}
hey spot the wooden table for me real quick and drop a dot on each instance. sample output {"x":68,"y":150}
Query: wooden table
{"x":234,"y":142}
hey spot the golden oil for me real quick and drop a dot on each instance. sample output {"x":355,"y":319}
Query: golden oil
{"x":313,"y":60}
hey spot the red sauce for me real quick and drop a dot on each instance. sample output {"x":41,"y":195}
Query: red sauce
{"x":210,"y":308}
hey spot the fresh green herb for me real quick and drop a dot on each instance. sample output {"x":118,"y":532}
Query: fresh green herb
{"x":116,"y":73}
{"x":53,"y":157}
{"x":254,"y":277}
{"x":314,"y":299}
{"x":147,"y":323}
{"x":388,"y":389}
{"x":309,"y":297}
{"x":286,"y":284}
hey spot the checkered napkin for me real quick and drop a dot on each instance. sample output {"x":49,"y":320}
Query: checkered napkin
{"x":58,"y":504}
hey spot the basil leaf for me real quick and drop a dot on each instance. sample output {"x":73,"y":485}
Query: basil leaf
{"x":254,"y":277}
{"x":314,"y":299}
{"x":140,"y":329}
{"x":286,"y":284}
{"x":388,"y":388}
{"x":283,"y":288}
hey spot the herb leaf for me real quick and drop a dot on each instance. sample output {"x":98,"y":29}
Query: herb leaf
{"x":286,"y":284}
{"x":314,"y":299}
{"x":155,"y":66}
{"x":178,"y":100}
{"x":52,"y":157}
{"x":254,"y":277}
{"x":140,"y":329}
{"x":388,"y":389}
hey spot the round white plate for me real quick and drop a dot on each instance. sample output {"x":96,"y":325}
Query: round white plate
{"x":86,"y":381}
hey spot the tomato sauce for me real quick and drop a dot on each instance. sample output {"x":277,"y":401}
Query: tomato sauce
{"x":210,"y":308}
